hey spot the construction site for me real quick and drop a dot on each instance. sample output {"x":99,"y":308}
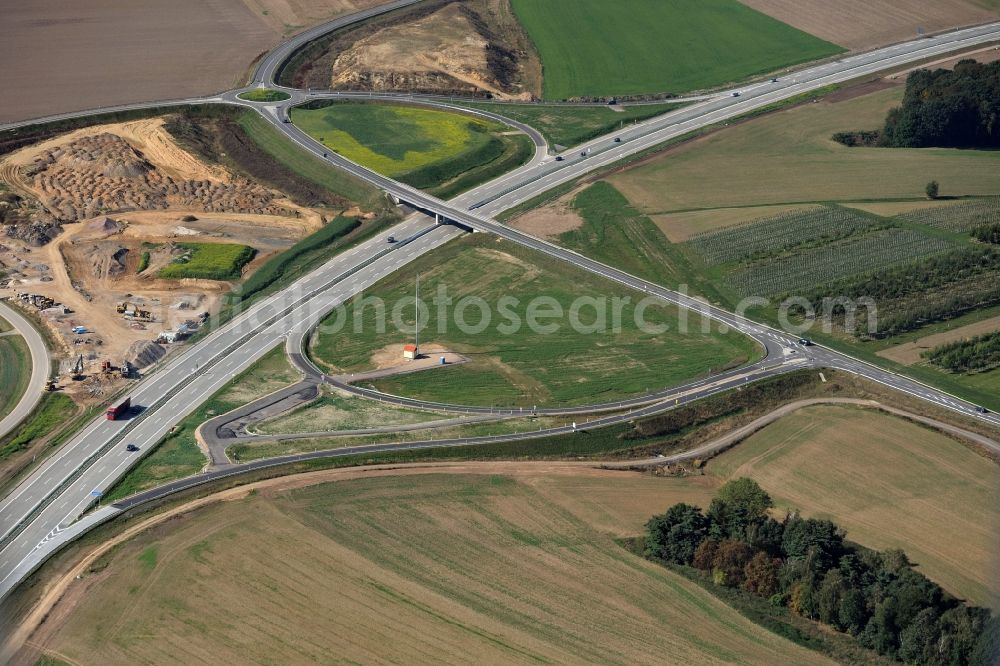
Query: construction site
{"x":96,"y":214}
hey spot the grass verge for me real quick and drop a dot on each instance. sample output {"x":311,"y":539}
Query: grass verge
{"x":178,"y":454}
{"x":571,"y":125}
{"x":15,"y":371}
{"x":264,"y":95}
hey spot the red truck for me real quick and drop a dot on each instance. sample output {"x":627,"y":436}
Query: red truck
{"x":114,"y":412}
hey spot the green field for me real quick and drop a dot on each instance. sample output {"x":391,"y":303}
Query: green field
{"x":572,"y":125}
{"x":961,"y":216}
{"x":811,"y":217}
{"x":797,"y":252}
{"x":522,"y":367}
{"x":439,"y":151}
{"x":15,"y":371}
{"x":308,"y":166}
{"x":814,"y":252}
{"x":264,"y":95}
{"x":890,"y":483}
{"x":209,"y":261}
{"x":788,"y":157}
{"x":434,"y":568}
{"x":334,"y":410}
{"x":599,"y":48}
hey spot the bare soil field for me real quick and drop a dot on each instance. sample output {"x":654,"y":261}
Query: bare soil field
{"x":679,"y":227}
{"x":511,"y":563}
{"x":124,"y":196}
{"x":68,"y":56}
{"x":893,"y":208}
{"x":866,"y":24}
{"x":291,"y":16}
{"x":551,"y":220}
{"x":909,"y":353}
{"x":890,"y":483}
{"x":441,"y":46}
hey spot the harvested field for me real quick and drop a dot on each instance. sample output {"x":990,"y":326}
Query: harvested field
{"x":424,"y":569}
{"x":890,"y":483}
{"x":909,"y":353}
{"x":96,"y":55}
{"x":865,"y":24}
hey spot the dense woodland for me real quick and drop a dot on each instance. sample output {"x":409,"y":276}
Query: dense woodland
{"x":808,"y":566}
{"x":957,"y":108}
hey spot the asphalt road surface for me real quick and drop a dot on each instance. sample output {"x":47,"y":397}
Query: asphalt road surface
{"x":40,"y":515}
{"x":40,"y":368}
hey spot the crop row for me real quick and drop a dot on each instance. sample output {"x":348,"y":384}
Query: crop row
{"x":774,"y":235}
{"x":964,"y":216}
{"x":816,"y":266}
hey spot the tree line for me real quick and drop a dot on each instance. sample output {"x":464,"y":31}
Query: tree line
{"x":808,"y":566}
{"x":957,"y":108}
{"x":976,"y":354}
{"x":913,"y":295}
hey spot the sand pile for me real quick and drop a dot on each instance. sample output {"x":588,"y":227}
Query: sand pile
{"x":107,"y":225}
{"x":142,"y":353}
{"x":100,"y":174}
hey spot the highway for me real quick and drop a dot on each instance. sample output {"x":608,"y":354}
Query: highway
{"x":40,"y":515}
{"x":41,"y":366}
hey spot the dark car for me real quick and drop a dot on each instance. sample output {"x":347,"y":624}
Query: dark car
{"x":559,"y":158}
{"x":132,"y":448}
{"x":982,"y":410}
{"x":390,"y":239}
{"x":805,"y":342}
{"x":618,"y":139}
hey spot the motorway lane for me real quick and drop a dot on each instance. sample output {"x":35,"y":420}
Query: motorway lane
{"x":103,"y":473}
{"x":605,"y":150}
{"x":496,"y":196}
{"x":29,"y":559}
{"x":196,"y":362}
{"x":646,"y":132}
{"x":41,"y":365}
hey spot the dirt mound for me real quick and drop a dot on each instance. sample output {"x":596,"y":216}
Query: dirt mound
{"x":142,"y":353}
{"x":439,"y":46}
{"x":107,"y":225}
{"x":102,"y":173}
